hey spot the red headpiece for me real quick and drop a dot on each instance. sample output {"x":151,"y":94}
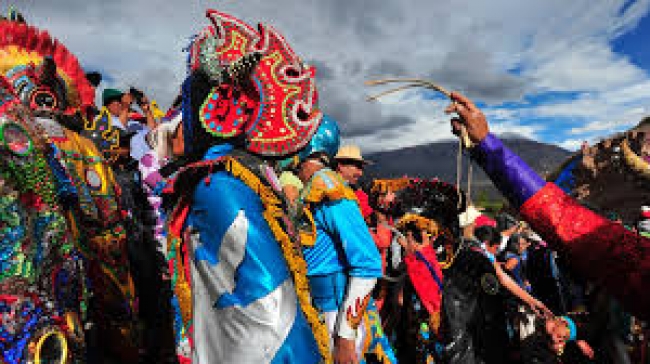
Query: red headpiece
{"x":42,"y":70}
{"x":261,"y":89}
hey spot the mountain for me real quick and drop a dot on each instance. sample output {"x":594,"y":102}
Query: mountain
{"x":439,"y":160}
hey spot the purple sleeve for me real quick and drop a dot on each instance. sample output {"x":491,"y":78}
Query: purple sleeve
{"x":512,"y":176}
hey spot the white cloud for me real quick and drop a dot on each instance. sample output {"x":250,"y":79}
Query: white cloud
{"x":571,"y":144}
{"x":467,"y":45}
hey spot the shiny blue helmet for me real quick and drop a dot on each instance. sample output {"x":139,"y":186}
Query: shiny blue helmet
{"x":326,"y":140}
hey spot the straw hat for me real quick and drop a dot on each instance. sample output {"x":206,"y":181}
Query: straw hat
{"x":352,"y":153}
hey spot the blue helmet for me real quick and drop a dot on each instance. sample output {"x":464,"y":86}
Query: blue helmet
{"x":326,"y":140}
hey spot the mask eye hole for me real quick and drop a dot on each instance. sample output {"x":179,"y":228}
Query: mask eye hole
{"x":43,"y":99}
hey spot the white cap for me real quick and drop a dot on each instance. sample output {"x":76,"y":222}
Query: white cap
{"x":469,"y":216}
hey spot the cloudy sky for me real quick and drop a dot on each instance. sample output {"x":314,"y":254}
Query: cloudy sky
{"x":553,"y":70}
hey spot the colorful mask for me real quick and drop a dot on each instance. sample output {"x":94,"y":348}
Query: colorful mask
{"x":259,"y":88}
{"x":44,"y":74}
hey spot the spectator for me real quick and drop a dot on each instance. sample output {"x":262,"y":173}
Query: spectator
{"x":349,"y":164}
{"x":118,"y":105}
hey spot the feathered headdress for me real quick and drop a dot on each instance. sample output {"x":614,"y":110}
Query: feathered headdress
{"x":42,"y":71}
{"x":248,"y":85}
{"x":431,"y":205}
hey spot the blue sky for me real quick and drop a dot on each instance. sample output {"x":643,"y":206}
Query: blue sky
{"x":635,"y":47}
{"x":553,"y":70}
{"x":568,"y":130}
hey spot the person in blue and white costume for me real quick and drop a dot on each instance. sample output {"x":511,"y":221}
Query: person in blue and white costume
{"x":343,"y":263}
{"x":238,"y":279}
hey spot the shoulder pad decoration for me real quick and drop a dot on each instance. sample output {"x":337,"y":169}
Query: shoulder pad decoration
{"x":101,"y":131}
{"x":261,"y":90}
{"x":327,"y":185}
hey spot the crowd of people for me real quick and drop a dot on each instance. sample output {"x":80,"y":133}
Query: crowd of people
{"x":234,"y":228}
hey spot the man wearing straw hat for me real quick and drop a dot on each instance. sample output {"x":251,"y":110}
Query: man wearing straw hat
{"x":350,"y":164}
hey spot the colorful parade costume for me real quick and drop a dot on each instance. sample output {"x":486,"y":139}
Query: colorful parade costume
{"x":426,"y":210}
{"x":41,"y":275}
{"x":49,"y":81}
{"x":591,"y":241}
{"x":343,"y":263}
{"x":248,"y":97}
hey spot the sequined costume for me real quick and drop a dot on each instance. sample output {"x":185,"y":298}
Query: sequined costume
{"x":49,"y":81}
{"x":343,"y":263}
{"x":238,"y":275}
{"x":599,"y":249}
{"x":41,"y":274}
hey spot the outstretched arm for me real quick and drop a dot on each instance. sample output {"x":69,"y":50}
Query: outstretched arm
{"x":513,"y":287}
{"x":598,"y":248}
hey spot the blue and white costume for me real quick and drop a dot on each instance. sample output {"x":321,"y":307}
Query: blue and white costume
{"x":239,"y":279}
{"x":242,"y":292}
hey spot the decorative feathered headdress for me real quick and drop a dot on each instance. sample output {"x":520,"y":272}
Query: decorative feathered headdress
{"x":430,"y":204}
{"x":381,"y":187}
{"x":247,"y":86}
{"x":44,"y":74}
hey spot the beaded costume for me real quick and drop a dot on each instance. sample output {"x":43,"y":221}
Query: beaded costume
{"x":48,"y":80}
{"x":247,"y":98}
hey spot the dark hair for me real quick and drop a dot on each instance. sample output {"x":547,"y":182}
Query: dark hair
{"x":488,"y":235}
{"x":505,"y":221}
{"x":514,"y":243}
{"x":178,"y":101}
{"x":197,"y":139}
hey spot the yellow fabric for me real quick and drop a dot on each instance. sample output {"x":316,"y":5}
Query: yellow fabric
{"x":111,"y":135}
{"x":422,"y":223}
{"x":327,"y":185}
{"x":89,"y":158}
{"x":155,"y":110}
{"x":389,"y":185}
{"x":86,"y":148}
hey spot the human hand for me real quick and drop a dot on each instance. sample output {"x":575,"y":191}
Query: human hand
{"x":144,"y":106}
{"x":345,"y":351}
{"x":586,"y":349}
{"x":468,"y":115}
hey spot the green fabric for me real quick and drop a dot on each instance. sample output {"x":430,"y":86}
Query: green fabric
{"x":111,"y":94}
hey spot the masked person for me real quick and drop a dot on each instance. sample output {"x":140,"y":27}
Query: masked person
{"x":238,"y":275}
{"x":56,"y":101}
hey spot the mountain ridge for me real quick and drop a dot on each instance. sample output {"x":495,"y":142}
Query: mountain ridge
{"x":438,"y":159}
